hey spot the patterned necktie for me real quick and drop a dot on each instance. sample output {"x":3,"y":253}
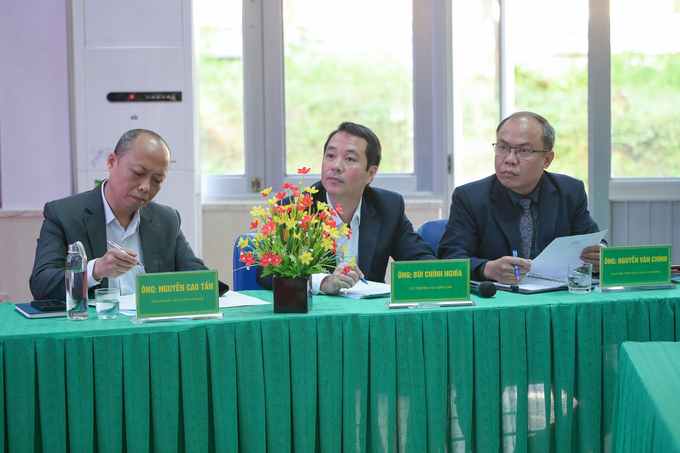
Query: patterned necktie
{"x":525,"y":226}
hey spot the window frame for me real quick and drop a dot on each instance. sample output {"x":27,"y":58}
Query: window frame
{"x":264,"y":112}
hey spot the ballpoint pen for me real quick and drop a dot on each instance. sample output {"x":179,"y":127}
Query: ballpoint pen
{"x":362,"y":279}
{"x":514,"y":255}
{"x":118,"y":247}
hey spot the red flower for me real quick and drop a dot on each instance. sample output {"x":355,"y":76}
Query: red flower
{"x":276,"y":259}
{"x":333,"y":212}
{"x":247,"y":259}
{"x":305,"y":220}
{"x":349,"y":233}
{"x":339,"y":209}
{"x":305,"y":202}
{"x":265,"y":260}
{"x":346,"y":269}
{"x":281,"y":195}
{"x":288,"y":186}
{"x":268,"y":228}
{"x":304,"y":170}
{"x":330,"y":223}
{"x":254,"y":224}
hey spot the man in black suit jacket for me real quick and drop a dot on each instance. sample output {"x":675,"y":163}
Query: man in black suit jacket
{"x":137,"y":167}
{"x":351,"y":157}
{"x":484,"y":222}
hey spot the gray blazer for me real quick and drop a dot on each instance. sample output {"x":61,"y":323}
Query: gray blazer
{"x":81,"y":218}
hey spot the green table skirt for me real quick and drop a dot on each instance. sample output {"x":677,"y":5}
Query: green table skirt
{"x":647,"y":400}
{"x":515,"y":373}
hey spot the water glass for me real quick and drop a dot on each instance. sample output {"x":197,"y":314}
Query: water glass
{"x":579,"y":278}
{"x":107,"y":301}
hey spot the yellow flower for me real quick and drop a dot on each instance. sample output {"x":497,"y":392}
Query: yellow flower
{"x":297,"y":235}
{"x":311,"y":190}
{"x":321,"y":206}
{"x":265,"y":192}
{"x":344,"y":230}
{"x":258,"y":211}
{"x":291,"y":223}
{"x":352,"y":261}
{"x":242,"y":243}
{"x":306,"y":258}
{"x":328,"y":243}
{"x":344,"y":250}
{"x":332,"y":231}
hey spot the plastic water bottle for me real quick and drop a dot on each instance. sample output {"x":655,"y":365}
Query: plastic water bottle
{"x":76,"y":283}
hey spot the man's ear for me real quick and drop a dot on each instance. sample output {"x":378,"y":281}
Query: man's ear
{"x":371,"y":173}
{"x":111,"y":161}
{"x":548,"y":159}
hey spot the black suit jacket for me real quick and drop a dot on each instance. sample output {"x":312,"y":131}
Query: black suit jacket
{"x":81,"y":218}
{"x":384,"y":232}
{"x":483,"y":225}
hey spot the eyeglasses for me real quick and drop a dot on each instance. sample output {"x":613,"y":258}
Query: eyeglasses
{"x":523,"y":153}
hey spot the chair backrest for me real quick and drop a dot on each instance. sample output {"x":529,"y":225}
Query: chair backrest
{"x":243,"y":278}
{"x":432,"y":232}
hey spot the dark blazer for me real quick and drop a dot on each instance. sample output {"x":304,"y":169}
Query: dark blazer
{"x":81,"y":218}
{"x":483,"y":225}
{"x":384,"y":232}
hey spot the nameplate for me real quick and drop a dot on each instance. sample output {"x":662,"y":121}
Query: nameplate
{"x":177,"y":294}
{"x":430,"y":281}
{"x":632,"y":266}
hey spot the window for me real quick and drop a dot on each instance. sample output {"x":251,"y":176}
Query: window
{"x":219,"y":50}
{"x":645,"y":85}
{"x":342,"y":64}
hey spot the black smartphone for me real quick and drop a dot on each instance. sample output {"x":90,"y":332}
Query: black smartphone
{"x":49,"y":305}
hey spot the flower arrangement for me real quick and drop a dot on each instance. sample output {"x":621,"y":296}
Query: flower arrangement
{"x":291,"y":238}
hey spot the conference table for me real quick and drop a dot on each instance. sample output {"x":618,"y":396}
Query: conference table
{"x":647,"y":400}
{"x":514,"y":372}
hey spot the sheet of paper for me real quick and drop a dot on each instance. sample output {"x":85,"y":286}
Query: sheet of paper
{"x":237,"y":299}
{"x":362,"y":290}
{"x":554,"y":259}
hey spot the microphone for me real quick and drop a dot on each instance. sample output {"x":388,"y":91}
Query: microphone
{"x":484,"y":289}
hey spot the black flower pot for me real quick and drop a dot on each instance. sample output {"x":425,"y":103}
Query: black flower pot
{"x":292,"y":294}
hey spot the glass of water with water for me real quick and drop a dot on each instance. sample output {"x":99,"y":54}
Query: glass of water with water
{"x":107,"y":301}
{"x":579,"y":278}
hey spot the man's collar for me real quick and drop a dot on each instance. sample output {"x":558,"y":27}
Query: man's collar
{"x":108,"y":213}
{"x":533,"y":195}
{"x":356,"y":218}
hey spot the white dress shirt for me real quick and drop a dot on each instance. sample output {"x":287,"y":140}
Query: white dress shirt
{"x":351,"y":244}
{"x":127,"y":238}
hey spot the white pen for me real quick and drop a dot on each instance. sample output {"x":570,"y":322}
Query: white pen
{"x":118,"y":247}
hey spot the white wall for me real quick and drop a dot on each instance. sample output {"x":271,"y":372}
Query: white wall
{"x":35,"y":145}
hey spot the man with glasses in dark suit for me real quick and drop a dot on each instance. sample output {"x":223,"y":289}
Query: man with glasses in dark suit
{"x":521,"y":208}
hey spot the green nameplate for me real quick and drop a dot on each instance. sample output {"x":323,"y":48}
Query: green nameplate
{"x":630,"y":266}
{"x":177,"y":293}
{"x":431,"y":281}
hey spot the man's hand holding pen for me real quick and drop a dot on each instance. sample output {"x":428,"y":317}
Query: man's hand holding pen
{"x":115,"y":262}
{"x":507,"y":270}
